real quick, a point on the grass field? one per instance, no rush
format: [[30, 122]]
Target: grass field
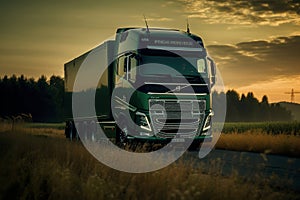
[[255, 141], [279, 138], [274, 128], [37, 162], [38, 165]]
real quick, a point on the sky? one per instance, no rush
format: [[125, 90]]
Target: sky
[[255, 43]]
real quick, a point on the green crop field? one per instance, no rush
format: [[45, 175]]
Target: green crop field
[[279, 138], [287, 128]]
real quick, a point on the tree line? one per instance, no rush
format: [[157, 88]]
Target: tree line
[[43, 99], [247, 108]]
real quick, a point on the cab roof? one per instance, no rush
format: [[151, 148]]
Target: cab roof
[[157, 32]]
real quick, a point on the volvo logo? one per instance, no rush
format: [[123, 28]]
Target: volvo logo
[[178, 88]]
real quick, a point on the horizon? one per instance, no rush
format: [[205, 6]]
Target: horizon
[[255, 44], [259, 98]]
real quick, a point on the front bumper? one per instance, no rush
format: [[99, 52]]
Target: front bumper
[[159, 140]]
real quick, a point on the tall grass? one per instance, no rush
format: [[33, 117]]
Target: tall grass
[[288, 128], [41, 129], [35, 167], [256, 141]]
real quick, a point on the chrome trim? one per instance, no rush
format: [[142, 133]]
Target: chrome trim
[[177, 94], [209, 116], [192, 49], [175, 84], [106, 122], [125, 104], [148, 127], [177, 117]]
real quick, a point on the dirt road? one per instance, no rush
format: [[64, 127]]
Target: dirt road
[[284, 171]]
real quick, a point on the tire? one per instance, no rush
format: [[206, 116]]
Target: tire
[[195, 146], [72, 131], [75, 131], [92, 130], [121, 135], [67, 129], [84, 130]]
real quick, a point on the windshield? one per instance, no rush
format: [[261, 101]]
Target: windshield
[[172, 65]]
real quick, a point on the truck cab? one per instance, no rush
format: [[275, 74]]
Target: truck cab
[[162, 86]]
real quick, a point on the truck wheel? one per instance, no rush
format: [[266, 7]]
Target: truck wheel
[[75, 132], [71, 131], [121, 135], [67, 129], [92, 130], [84, 130], [195, 146]]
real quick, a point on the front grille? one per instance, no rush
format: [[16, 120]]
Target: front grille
[[171, 117], [176, 121]]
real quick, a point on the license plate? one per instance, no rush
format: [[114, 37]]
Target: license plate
[[178, 140]]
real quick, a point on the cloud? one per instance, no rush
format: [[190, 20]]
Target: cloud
[[275, 89], [263, 12], [257, 61], [160, 19]]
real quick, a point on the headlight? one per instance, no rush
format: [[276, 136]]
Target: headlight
[[142, 121], [207, 124]]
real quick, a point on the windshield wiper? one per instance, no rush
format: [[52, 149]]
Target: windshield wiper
[[160, 75], [189, 75], [194, 78]]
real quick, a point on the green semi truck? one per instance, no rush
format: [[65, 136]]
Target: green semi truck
[[156, 87]]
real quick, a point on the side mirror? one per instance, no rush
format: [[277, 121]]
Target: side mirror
[[213, 80], [213, 71], [127, 67], [125, 64]]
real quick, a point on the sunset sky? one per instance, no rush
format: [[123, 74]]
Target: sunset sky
[[256, 44]]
